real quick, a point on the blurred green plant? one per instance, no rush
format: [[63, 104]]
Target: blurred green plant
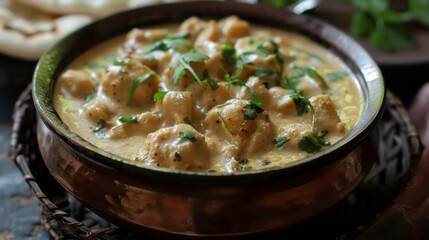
[[386, 28], [279, 3]]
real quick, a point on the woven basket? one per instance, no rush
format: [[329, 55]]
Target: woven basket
[[66, 218]]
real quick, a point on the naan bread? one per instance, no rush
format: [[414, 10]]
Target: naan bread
[[87, 7], [27, 33]]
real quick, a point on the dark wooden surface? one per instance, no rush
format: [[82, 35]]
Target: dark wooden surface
[[19, 211]]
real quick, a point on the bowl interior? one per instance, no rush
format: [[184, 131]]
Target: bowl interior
[[65, 51]]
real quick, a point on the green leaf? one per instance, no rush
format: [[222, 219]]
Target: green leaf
[[188, 121], [195, 56], [302, 104], [187, 136], [256, 103], [212, 83], [390, 39], [309, 54], [263, 72], [134, 83], [229, 54], [175, 42], [158, 96], [249, 114], [179, 73], [373, 6], [309, 145], [128, 119], [226, 126], [321, 138], [101, 124], [177, 157], [96, 66], [362, 24], [420, 10], [335, 76], [279, 142]]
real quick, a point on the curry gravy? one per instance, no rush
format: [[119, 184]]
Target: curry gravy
[[209, 96]]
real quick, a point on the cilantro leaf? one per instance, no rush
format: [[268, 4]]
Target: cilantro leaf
[[309, 54], [128, 119], [212, 83], [229, 54], [249, 114], [335, 76], [226, 126], [263, 72], [362, 24], [158, 96], [134, 84], [185, 60], [101, 124], [302, 104], [187, 136], [279, 142], [175, 42], [309, 145], [188, 121]]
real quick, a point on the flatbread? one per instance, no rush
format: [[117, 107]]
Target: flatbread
[[26, 33], [95, 8]]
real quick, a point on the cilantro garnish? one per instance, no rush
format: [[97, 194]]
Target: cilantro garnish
[[279, 142], [101, 124], [335, 76], [185, 60], [128, 119], [263, 72], [302, 104], [310, 54], [229, 54], [158, 96], [187, 136], [134, 83], [96, 66], [188, 121], [225, 125], [313, 142], [250, 112], [175, 42], [212, 83]]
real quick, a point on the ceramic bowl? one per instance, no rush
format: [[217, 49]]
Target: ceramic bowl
[[194, 204]]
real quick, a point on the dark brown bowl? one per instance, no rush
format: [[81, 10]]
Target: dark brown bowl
[[142, 198]]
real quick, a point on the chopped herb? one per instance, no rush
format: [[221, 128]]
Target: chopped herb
[[185, 60], [187, 136], [232, 80], [255, 108], [310, 54], [188, 121], [101, 124], [279, 142], [149, 58], [225, 125], [251, 41], [291, 84], [232, 143], [96, 66], [128, 119], [177, 157], [314, 142], [175, 42], [263, 72], [309, 145], [229, 54], [212, 83], [302, 104], [335, 76], [316, 76], [249, 114], [158, 96], [110, 59], [88, 98], [134, 83], [296, 74]]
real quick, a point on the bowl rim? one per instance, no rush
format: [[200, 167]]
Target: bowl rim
[[369, 76]]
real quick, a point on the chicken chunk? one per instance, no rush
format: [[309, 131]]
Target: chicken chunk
[[178, 147], [206, 98], [117, 80], [176, 106], [234, 28], [326, 116], [95, 110], [147, 122], [294, 132], [193, 26], [77, 83]]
